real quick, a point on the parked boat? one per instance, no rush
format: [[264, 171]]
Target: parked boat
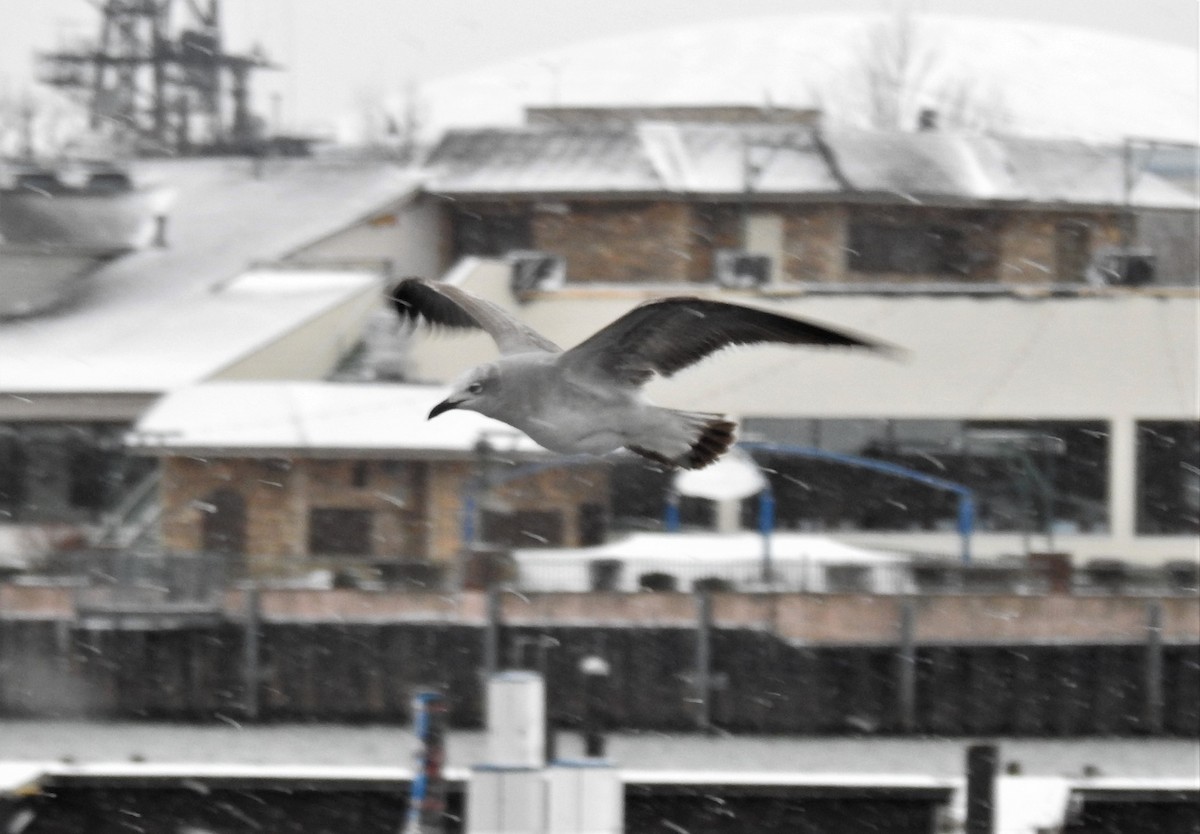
[[59, 224], [91, 206]]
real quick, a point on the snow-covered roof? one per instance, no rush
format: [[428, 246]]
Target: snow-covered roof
[[159, 318], [155, 343], [268, 418], [789, 162], [962, 357]]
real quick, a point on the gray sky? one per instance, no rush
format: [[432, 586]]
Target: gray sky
[[339, 53]]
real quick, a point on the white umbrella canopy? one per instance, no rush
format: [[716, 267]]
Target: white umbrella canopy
[[733, 477]]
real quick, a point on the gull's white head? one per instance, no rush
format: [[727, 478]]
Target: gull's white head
[[476, 390]]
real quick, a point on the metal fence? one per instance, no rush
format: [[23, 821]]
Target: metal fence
[[161, 589], [131, 580], [1103, 577]]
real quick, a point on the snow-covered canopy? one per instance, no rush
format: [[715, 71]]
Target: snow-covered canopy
[[1012, 356], [733, 477], [700, 549], [317, 419]]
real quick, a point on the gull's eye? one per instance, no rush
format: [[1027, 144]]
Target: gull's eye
[[474, 387]]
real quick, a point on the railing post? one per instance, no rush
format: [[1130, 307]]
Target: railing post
[[251, 621], [906, 668], [703, 672], [1154, 667], [491, 633]]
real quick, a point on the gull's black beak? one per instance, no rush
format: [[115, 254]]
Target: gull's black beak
[[442, 407]]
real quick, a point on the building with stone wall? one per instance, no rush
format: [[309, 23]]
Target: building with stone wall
[[288, 478], [265, 270], [658, 197]]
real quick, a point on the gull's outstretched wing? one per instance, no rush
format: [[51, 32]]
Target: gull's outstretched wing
[[667, 335], [444, 305]]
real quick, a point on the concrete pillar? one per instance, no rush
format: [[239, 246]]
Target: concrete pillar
[[1122, 479]]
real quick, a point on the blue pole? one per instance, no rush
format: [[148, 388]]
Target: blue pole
[[766, 526], [966, 523], [671, 522], [427, 800]]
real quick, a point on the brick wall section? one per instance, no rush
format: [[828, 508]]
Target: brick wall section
[[416, 506], [564, 489], [1050, 617], [815, 244], [36, 601], [815, 618], [674, 242], [278, 496], [447, 493], [1028, 243], [862, 618], [618, 241]]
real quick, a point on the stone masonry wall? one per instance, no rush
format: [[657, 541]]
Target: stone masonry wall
[[618, 241]]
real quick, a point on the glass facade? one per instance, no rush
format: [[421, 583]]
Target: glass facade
[[1027, 476], [1168, 477]]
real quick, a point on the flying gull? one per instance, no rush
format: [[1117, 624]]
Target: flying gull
[[588, 399]]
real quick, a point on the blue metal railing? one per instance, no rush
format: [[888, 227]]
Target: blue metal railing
[[966, 496]]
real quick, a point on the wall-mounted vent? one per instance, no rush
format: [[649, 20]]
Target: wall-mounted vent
[[1127, 268], [536, 271], [739, 269]]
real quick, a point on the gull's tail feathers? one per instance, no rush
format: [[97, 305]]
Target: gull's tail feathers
[[702, 437]]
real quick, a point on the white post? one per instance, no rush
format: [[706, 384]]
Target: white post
[[729, 515], [1122, 481]]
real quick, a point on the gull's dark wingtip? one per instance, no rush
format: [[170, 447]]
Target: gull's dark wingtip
[[887, 350], [400, 296]]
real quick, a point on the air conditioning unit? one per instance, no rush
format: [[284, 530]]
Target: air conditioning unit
[[1124, 268], [740, 270], [535, 271]]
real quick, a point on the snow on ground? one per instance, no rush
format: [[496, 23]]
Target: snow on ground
[[382, 746]]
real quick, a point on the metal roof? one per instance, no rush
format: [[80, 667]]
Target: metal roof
[[788, 162]]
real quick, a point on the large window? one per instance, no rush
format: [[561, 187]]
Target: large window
[[523, 528], [65, 472], [338, 532], [1040, 478], [490, 231], [12, 473], [1168, 483], [911, 248]]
